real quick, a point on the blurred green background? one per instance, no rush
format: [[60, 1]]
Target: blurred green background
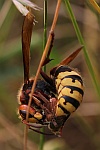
[[82, 130]]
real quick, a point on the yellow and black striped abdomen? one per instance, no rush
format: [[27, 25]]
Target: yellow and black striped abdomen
[[70, 92]]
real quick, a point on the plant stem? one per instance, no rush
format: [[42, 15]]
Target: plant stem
[[81, 40], [42, 138], [45, 27], [45, 50], [95, 5]]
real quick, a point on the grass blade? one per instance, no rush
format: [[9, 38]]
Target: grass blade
[[81, 40]]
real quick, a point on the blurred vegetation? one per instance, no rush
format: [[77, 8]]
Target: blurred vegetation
[[82, 130]]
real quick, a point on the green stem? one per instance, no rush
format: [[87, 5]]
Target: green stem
[[45, 28], [45, 24], [42, 138], [81, 40]]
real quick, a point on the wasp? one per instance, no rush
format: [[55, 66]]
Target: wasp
[[68, 94], [40, 107], [56, 96]]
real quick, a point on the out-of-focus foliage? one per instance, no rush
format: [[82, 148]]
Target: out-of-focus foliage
[[82, 130]]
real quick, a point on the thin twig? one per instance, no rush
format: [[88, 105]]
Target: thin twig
[[42, 138], [44, 53], [46, 49], [95, 5]]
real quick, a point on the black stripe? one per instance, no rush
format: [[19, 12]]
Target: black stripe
[[74, 77], [71, 100], [23, 114], [64, 110], [62, 69], [73, 88]]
